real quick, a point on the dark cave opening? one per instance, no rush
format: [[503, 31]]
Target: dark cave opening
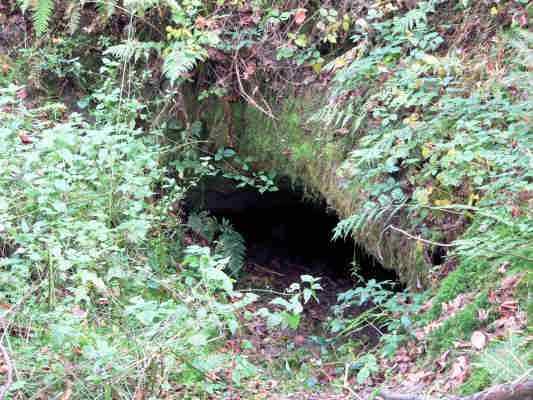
[[287, 234]]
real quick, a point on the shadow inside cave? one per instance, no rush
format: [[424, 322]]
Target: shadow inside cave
[[287, 234]]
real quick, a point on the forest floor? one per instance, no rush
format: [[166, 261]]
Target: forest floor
[[311, 357]]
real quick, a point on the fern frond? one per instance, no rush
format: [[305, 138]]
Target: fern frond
[[356, 223], [42, 11], [123, 51], [132, 49], [345, 227], [231, 244], [24, 5], [73, 15], [203, 224], [182, 58]]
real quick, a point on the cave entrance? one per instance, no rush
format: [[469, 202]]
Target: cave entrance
[[287, 236]]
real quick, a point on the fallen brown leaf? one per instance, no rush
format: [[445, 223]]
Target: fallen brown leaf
[[139, 395], [79, 312], [511, 281], [441, 362], [482, 314], [25, 138], [426, 306], [68, 391], [22, 94], [503, 267]]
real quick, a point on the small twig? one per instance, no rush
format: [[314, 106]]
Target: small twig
[[346, 384], [389, 218], [246, 96], [268, 291], [267, 269], [419, 238], [452, 207], [26, 296], [166, 109], [375, 328], [4, 327]]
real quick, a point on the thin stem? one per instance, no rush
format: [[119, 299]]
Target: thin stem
[[419, 238]]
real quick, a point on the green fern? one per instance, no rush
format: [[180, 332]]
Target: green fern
[[42, 11], [231, 244], [182, 57], [203, 225], [135, 50], [370, 213], [73, 15]]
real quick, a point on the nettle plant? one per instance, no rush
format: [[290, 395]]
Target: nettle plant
[[88, 260], [290, 305], [73, 184], [381, 309]]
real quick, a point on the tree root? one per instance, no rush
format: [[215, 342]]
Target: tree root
[[522, 390]]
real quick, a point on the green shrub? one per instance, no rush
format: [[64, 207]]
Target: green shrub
[[90, 259]]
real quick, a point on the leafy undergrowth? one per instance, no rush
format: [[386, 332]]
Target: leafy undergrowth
[[93, 305], [103, 295], [99, 300]]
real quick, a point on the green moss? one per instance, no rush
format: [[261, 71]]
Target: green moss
[[468, 276], [478, 380], [289, 145], [461, 325]]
